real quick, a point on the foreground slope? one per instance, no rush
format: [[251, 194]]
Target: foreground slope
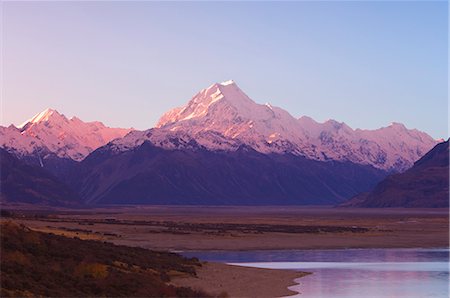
[[425, 185], [35, 264]]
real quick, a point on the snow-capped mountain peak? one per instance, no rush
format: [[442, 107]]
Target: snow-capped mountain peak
[[397, 125], [224, 110], [227, 93], [44, 116], [52, 132], [226, 83]]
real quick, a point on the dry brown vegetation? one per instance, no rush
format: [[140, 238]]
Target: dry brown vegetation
[[39, 264]]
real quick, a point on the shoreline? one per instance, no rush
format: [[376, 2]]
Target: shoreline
[[181, 251], [224, 280], [232, 279]]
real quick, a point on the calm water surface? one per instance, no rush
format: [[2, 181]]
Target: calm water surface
[[351, 273]]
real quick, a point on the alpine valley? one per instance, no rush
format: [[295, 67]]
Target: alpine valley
[[221, 148]]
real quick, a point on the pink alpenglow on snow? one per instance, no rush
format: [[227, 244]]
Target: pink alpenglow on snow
[[222, 117], [69, 138], [224, 110]]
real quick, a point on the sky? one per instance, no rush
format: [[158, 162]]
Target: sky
[[126, 63]]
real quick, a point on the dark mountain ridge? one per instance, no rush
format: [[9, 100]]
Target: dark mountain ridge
[[152, 175], [425, 185], [21, 182]]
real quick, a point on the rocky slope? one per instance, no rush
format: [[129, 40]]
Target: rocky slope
[[424, 185]]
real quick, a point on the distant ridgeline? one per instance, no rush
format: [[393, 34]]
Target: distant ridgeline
[[222, 148]]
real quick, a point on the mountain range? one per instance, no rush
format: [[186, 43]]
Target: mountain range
[[220, 148], [50, 132], [223, 117]]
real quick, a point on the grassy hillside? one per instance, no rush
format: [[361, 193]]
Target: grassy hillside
[[39, 264]]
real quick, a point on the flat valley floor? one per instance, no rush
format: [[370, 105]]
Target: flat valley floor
[[181, 228]]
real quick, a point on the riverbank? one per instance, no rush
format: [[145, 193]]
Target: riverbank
[[354, 273], [222, 280]]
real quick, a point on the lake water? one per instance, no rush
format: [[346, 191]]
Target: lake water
[[351, 273]]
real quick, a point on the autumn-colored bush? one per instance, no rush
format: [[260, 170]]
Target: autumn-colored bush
[[94, 270], [39, 264]]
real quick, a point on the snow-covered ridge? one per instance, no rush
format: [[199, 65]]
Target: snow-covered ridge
[[52, 132], [222, 117], [224, 110]]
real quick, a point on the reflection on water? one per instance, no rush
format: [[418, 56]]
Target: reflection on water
[[354, 272], [329, 282]]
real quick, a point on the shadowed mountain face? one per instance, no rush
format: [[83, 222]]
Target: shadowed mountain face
[[24, 183], [153, 175], [425, 185]]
